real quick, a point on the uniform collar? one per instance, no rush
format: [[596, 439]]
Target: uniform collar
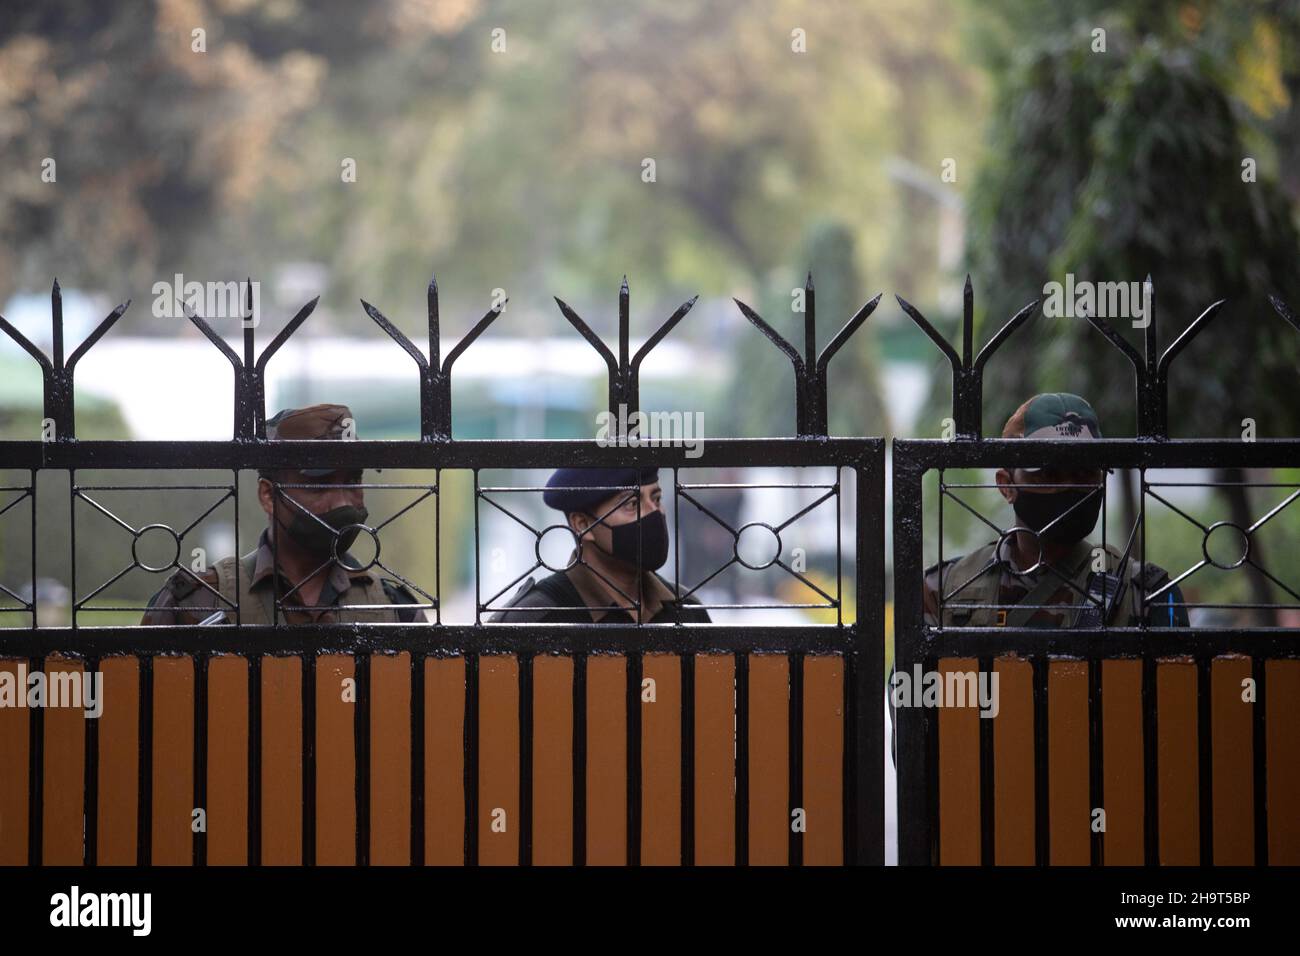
[[655, 594], [340, 576]]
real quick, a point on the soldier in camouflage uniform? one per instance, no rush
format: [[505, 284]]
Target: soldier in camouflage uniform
[[1045, 572], [317, 578], [1011, 583]]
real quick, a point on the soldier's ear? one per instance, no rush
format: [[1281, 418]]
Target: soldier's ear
[[265, 494], [1004, 480], [580, 521]]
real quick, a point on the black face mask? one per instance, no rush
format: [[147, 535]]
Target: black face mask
[[654, 540], [1036, 511], [316, 538]]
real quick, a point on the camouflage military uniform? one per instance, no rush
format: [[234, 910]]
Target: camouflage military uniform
[[978, 593], [249, 581]]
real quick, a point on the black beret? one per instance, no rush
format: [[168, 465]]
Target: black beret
[[580, 489]]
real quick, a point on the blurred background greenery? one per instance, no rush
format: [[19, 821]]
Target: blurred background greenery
[[514, 160]]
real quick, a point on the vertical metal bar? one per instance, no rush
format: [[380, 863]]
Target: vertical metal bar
[[238, 564], [687, 717], [201, 755], [91, 786], [742, 758], [417, 758], [1142, 542], [437, 544], [36, 716], [988, 792], [839, 546], [1204, 763], [471, 759], [1150, 777], [796, 754], [1259, 748], [634, 672], [1042, 793], [865, 667], [913, 757], [478, 570], [920, 543], [1096, 759], [526, 759], [72, 545], [579, 758], [35, 603], [144, 805], [254, 760], [308, 758], [361, 742], [688, 759], [275, 561]]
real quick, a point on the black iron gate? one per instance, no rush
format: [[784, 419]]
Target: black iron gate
[[941, 792]]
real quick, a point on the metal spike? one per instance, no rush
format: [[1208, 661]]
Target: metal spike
[[249, 358], [967, 323], [809, 323], [56, 314], [434, 323], [1150, 344], [624, 323]]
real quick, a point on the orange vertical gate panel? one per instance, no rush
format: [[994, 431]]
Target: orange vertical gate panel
[[1232, 763], [227, 797], [1013, 764], [1069, 810], [1282, 722], [390, 759], [552, 760], [498, 769], [119, 761], [172, 837], [65, 750], [1122, 763], [715, 760], [1176, 763], [14, 757], [959, 774], [661, 762], [444, 761], [823, 759], [281, 761], [337, 697], [769, 760], [606, 760]]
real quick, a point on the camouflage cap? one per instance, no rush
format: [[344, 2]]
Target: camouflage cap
[[313, 423], [1057, 415]]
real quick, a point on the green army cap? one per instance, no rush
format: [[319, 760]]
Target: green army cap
[[1057, 415], [313, 423]]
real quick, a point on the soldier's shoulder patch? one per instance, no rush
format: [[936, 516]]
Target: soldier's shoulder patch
[[1151, 575], [397, 592], [182, 584]]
